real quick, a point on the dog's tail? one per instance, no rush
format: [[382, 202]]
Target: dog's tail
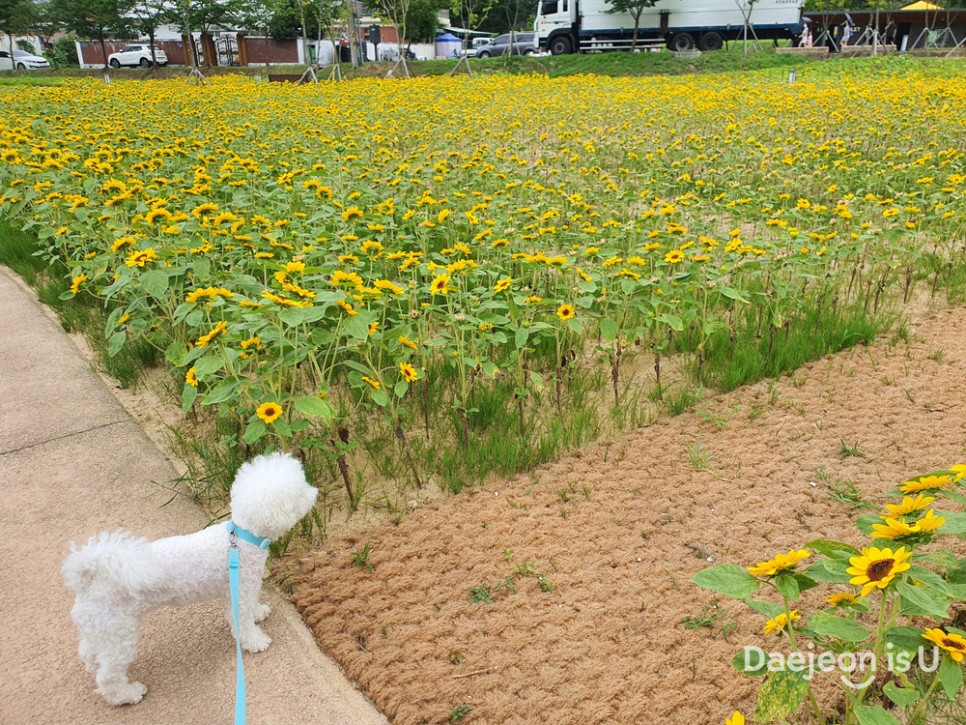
[[119, 558]]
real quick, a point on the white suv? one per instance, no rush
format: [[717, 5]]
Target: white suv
[[136, 55]]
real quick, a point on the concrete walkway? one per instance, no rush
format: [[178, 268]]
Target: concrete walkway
[[73, 463]]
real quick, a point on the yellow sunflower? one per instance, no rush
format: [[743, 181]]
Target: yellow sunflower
[[675, 256], [840, 599], [909, 505], [877, 567], [778, 624], [374, 383], [440, 285], [736, 719], [408, 372], [219, 329], [353, 212], [190, 378], [926, 483], [952, 643], [566, 312], [782, 562], [929, 522], [503, 285], [893, 529], [269, 412]]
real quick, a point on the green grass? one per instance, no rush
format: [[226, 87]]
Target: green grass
[[7, 79], [731, 59], [770, 353]]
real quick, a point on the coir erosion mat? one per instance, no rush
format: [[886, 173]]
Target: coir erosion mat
[[616, 531]]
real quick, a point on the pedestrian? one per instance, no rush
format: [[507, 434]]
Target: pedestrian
[[890, 33], [846, 29]]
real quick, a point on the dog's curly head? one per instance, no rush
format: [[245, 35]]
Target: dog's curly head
[[270, 495]]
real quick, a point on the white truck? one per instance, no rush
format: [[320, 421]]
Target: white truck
[[568, 26]]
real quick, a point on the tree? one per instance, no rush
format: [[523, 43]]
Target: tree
[[204, 15], [414, 19], [634, 8], [471, 13], [94, 19], [423, 20], [16, 17], [45, 24], [148, 16]]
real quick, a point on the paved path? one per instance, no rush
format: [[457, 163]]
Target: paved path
[[73, 462]]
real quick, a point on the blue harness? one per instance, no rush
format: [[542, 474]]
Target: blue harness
[[236, 532]]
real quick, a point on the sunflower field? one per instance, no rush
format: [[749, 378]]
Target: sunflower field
[[424, 272]]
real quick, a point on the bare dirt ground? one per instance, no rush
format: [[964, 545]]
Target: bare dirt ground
[[618, 530]]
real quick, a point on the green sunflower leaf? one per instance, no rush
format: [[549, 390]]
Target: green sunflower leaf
[[767, 609], [826, 624], [380, 398], [255, 430], [751, 661], [787, 586], [904, 639], [116, 342], [832, 549], [901, 696], [728, 579], [873, 715], [155, 283], [312, 406], [951, 675], [188, 396], [920, 600], [955, 523], [357, 327], [780, 696], [831, 571], [608, 329]]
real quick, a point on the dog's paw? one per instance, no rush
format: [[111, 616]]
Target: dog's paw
[[262, 611], [130, 693], [256, 640]]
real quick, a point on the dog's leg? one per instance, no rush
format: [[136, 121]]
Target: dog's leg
[[86, 652], [261, 611], [253, 637], [115, 649]]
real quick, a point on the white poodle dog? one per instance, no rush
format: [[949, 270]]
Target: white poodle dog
[[120, 577]]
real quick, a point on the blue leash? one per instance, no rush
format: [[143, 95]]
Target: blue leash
[[234, 570]]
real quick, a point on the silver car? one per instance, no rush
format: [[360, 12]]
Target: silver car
[[22, 60], [500, 45]]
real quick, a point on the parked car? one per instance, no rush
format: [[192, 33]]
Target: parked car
[[22, 60], [500, 45], [475, 45], [139, 54]]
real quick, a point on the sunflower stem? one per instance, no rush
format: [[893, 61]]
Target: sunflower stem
[[791, 638], [924, 703]]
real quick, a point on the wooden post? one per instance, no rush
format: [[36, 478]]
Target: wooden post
[[242, 49], [208, 50]]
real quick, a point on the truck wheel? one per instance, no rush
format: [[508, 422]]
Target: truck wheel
[[561, 45], [710, 41], [681, 42]]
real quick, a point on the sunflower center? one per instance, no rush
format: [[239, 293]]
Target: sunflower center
[[953, 644], [879, 570]]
